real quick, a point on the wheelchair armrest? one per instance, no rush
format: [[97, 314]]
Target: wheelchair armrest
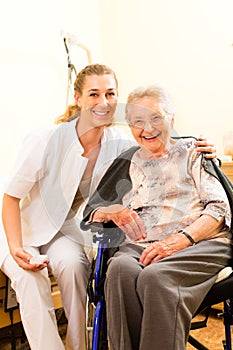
[[219, 292]]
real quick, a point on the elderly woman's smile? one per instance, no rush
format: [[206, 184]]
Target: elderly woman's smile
[[150, 124]]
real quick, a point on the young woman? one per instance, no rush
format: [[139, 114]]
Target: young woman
[[56, 171]]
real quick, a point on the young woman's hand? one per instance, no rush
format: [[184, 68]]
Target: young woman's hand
[[22, 257], [206, 146]]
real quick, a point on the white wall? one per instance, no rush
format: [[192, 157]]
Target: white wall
[[185, 45], [33, 63]]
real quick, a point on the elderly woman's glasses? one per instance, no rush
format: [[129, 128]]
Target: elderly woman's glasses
[[140, 123]]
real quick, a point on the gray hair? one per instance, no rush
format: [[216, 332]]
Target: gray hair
[[154, 91]]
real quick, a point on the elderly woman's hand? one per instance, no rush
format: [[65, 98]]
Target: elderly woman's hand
[[126, 219], [159, 250], [206, 146]]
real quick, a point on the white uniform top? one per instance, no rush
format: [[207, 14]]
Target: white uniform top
[[46, 177]]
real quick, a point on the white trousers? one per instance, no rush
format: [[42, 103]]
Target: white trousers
[[70, 267]]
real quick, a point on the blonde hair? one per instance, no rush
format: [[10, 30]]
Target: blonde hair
[[72, 110], [155, 91]]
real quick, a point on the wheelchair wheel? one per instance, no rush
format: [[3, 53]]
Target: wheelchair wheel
[[90, 312], [99, 336], [103, 338]]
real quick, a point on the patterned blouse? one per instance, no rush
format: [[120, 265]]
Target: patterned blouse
[[171, 192]]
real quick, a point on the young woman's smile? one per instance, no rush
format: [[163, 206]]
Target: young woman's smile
[[98, 100]]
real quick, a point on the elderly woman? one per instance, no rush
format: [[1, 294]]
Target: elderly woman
[[176, 219]]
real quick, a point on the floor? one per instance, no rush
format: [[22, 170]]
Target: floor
[[211, 336], [21, 342]]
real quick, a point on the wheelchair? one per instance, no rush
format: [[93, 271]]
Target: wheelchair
[[95, 288], [221, 291]]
